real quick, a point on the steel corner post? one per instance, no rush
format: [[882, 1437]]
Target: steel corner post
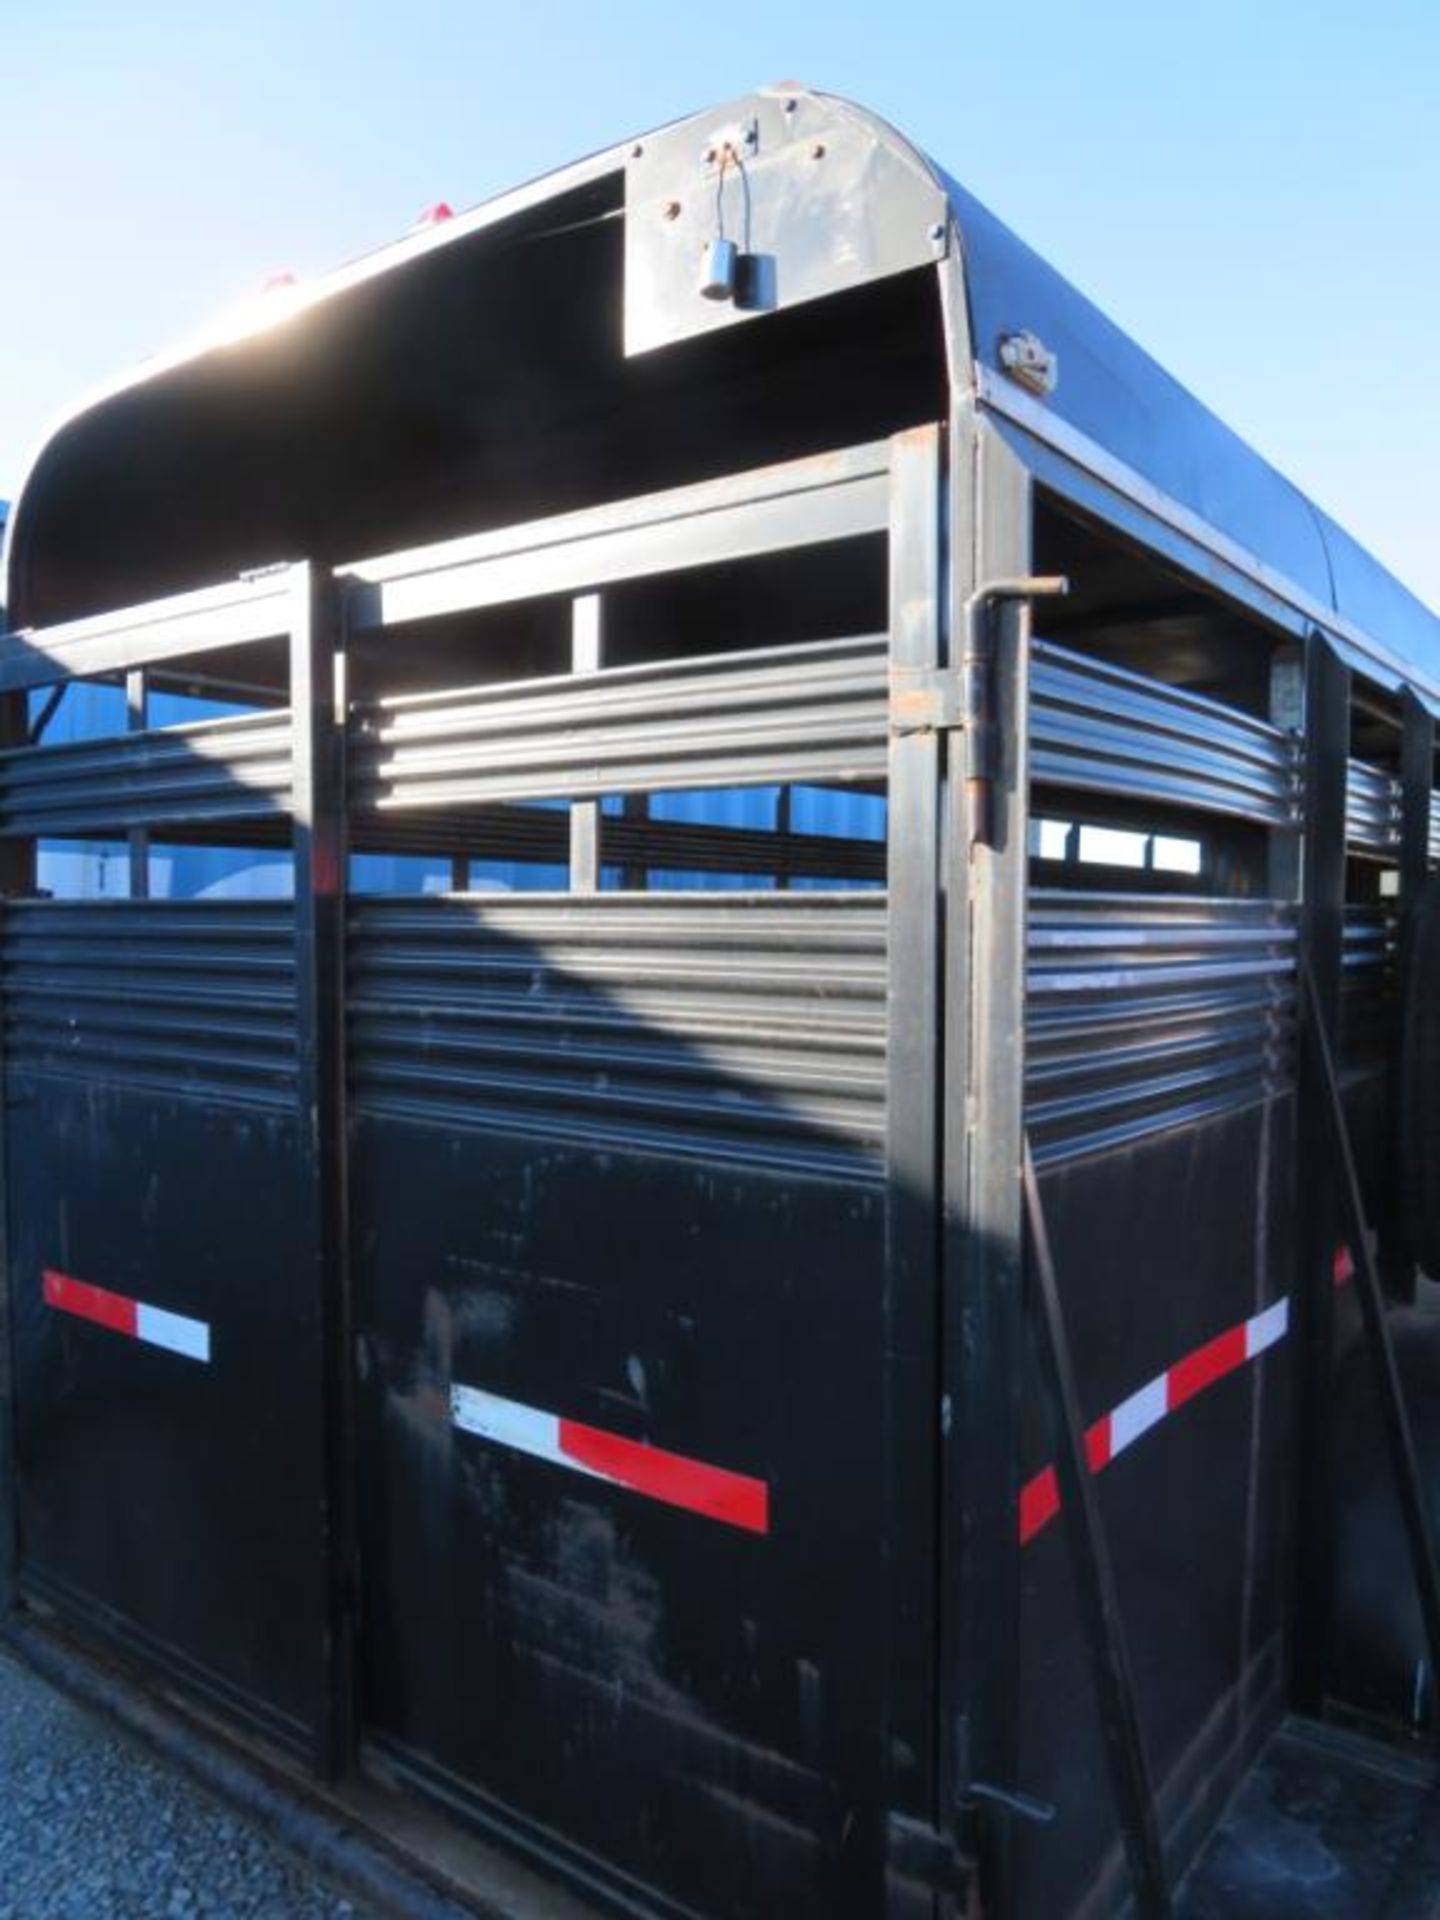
[[982, 1295], [17, 876], [917, 504], [1327, 741], [318, 720]]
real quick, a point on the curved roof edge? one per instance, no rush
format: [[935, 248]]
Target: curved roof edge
[[1109, 391]]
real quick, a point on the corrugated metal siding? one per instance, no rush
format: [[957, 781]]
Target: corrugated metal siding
[[1152, 1013], [1372, 810], [739, 1028], [1099, 727], [194, 998], [211, 771], [785, 713]]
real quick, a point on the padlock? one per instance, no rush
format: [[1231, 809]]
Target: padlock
[[719, 270]]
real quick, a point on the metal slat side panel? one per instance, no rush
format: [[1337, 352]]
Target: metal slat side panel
[[1147, 1014], [790, 714], [1435, 829], [195, 997], [215, 770], [1372, 810], [1101, 727], [1368, 987], [745, 1029]]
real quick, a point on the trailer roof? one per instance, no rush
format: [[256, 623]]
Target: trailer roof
[[1113, 410]]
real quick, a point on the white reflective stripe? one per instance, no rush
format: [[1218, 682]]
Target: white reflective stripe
[[1138, 1414], [173, 1331], [1266, 1328], [509, 1424]]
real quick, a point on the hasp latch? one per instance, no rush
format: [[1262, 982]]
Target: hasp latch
[[926, 700]]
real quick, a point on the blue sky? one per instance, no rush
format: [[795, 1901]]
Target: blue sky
[[1252, 190]]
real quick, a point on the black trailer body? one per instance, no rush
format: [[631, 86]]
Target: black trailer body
[[558, 1338]]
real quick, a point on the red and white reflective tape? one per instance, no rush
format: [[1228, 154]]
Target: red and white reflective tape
[[1113, 1432], [716, 1492], [157, 1327]]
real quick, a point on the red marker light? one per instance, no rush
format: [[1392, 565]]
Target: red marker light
[[437, 215], [278, 280]]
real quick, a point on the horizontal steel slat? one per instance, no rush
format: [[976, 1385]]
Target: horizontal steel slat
[[240, 611], [213, 771], [1372, 809], [739, 1028], [185, 997], [1102, 728], [821, 499], [1146, 1014], [782, 714]]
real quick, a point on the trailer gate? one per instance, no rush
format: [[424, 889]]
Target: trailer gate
[[603, 1237]]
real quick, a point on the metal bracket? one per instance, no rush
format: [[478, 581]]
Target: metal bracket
[[926, 700]]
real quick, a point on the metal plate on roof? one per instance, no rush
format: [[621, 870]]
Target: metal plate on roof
[[815, 200]]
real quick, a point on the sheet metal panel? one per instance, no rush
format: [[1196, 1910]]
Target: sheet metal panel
[[577, 1127], [1161, 1244], [167, 1474]]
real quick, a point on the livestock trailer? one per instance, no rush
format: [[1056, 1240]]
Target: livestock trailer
[[732, 1277]]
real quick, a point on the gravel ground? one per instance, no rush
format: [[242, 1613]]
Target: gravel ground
[[92, 1827]]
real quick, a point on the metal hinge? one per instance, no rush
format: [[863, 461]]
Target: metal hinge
[[925, 700]]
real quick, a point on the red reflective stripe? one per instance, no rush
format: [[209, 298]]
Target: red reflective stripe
[[669, 1477], [1227, 1353], [1224, 1354], [1039, 1503], [106, 1309], [1344, 1267]]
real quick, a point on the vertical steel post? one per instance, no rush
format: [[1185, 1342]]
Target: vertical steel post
[[17, 876], [913, 1090], [1322, 929], [1417, 786], [586, 639], [317, 718], [137, 718], [983, 1302], [1417, 780]]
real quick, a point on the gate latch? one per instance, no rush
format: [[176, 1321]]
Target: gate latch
[[925, 700]]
